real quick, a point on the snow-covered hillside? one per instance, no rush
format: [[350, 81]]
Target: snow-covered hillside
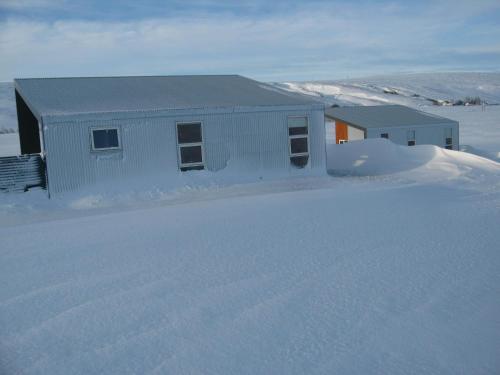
[[413, 90], [8, 116]]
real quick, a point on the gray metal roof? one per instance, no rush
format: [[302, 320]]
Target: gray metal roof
[[54, 96], [383, 116]]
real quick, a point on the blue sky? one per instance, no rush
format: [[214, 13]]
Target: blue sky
[[267, 40]]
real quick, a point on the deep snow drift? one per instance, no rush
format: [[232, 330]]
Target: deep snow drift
[[395, 270]]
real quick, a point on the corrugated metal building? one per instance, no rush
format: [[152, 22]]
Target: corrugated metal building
[[98, 129], [400, 124]]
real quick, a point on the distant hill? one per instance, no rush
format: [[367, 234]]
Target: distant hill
[[8, 116], [413, 90]]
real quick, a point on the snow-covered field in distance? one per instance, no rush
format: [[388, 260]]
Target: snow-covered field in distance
[[8, 115], [388, 265], [413, 90]]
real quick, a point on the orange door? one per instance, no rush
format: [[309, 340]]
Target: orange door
[[340, 132]]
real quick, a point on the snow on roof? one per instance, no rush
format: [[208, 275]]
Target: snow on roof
[[53, 96], [382, 116]]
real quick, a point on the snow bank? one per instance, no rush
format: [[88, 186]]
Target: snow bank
[[373, 157]]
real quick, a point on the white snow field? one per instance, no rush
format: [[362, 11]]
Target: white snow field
[[392, 269]]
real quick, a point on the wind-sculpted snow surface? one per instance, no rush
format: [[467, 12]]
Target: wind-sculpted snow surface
[[392, 271]]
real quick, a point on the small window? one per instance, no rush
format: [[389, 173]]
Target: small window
[[105, 139], [342, 141], [298, 145], [384, 135], [190, 146], [298, 137], [410, 135], [448, 138]]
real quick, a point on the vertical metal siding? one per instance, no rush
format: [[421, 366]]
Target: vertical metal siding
[[424, 135], [237, 142]]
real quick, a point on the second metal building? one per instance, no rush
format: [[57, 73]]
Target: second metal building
[[400, 124]]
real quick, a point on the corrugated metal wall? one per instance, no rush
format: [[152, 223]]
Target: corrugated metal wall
[[424, 135], [238, 142]]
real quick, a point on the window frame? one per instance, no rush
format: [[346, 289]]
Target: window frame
[[118, 135], [183, 167], [297, 136]]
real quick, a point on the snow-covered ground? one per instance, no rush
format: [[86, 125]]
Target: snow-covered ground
[[387, 265], [391, 270]]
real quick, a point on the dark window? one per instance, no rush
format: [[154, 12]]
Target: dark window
[[105, 139], [342, 141], [189, 133], [384, 135], [299, 161], [298, 145], [191, 154], [449, 147], [190, 145], [298, 134], [301, 130], [449, 141], [411, 143]]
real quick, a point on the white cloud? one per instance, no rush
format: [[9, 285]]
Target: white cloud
[[324, 42], [24, 4]]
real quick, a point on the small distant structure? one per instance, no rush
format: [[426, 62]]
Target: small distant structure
[[400, 124], [91, 130]]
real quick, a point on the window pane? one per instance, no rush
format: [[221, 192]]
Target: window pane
[[189, 133], [191, 154], [297, 122], [299, 161], [449, 147], [105, 138], [100, 138], [298, 145], [297, 131], [112, 137], [384, 135], [411, 143], [449, 141]]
